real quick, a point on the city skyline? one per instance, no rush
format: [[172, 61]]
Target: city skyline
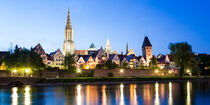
[[46, 25]]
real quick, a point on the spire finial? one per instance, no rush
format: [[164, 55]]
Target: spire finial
[[68, 25]]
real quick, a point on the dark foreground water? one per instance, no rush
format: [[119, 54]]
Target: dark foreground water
[[167, 93]]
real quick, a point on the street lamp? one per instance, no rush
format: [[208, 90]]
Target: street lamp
[[78, 70], [121, 70], [14, 71], [27, 70]]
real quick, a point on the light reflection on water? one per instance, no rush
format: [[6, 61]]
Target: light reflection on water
[[170, 97], [157, 100], [14, 96], [104, 94]]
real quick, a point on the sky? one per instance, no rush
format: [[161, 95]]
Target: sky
[[29, 22]]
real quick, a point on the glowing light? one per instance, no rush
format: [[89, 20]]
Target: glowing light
[[79, 96], [14, 96], [121, 94], [169, 71], [104, 97], [121, 70], [27, 70], [170, 97], [87, 67], [14, 71], [188, 94], [133, 95], [27, 98], [188, 71], [157, 101], [156, 71], [78, 70], [103, 58]]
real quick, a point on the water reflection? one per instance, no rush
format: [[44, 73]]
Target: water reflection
[[27, 99], [176, 93], [14, 96], [147, 94], [157, 100], [188, 101], [79, 97], [133, 95], [122, 95], [92, 96], [104, 97], [170, 97]]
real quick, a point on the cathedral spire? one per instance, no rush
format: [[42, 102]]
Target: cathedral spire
[[127, 48], [68, 24], [108, 47]]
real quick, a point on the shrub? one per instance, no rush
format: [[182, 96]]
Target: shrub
[[110, 74], [99, 66]]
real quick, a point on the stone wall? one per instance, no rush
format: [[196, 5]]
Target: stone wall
[[96, 73], [126, 73]]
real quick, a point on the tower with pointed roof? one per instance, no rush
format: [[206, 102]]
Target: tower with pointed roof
[[147, 50], [108, 48], [69, 45]]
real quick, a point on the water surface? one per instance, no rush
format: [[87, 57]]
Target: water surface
[[167, 93]]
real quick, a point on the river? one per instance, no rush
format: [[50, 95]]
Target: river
[[153, 93]]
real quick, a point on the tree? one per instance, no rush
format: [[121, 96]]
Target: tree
[[111, 65], [23, 59], [99, 66], [183, 56], [153, 62], [125, 65], [69, 63], [204, 64]]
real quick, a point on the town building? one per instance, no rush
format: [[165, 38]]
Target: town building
[[39, 50]]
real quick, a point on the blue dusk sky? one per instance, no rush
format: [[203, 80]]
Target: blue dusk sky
[[29, 22]]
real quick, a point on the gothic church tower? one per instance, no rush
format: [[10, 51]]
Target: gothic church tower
[[68, 45], [108, 48]]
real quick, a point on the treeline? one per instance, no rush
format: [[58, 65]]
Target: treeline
[[22, 59]]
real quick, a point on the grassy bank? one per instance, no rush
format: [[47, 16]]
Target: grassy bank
[[117, 79]]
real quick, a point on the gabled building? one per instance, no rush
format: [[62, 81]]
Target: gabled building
[[90, 62], [39, 50], [132, 61], [142, 61], [92, 49], [130, 52], [115, 52], [81, 61], [122, 59], [57, 58], [114, 58]]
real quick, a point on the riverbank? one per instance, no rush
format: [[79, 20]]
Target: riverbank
[[90, 80], [115, 80]]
